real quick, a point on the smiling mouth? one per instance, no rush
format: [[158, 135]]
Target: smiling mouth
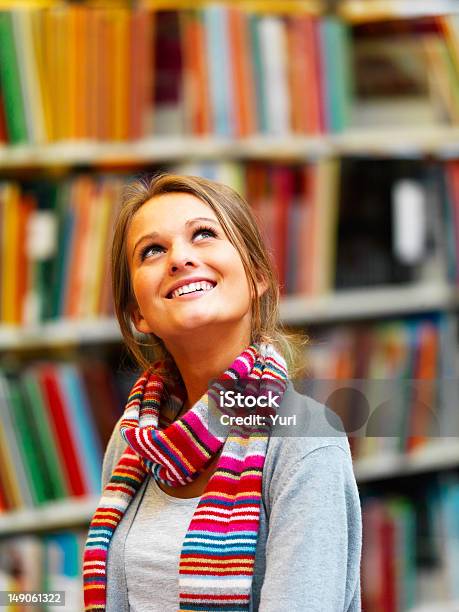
[[200, 287]]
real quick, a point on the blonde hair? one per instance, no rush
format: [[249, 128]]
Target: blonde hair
[[240, 227]]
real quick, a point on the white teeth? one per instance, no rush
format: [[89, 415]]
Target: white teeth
[[201, 285]]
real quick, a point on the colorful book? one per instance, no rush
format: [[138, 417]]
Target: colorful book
[[10, 79]]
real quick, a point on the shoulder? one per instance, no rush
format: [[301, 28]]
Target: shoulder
[[304, 426], [314, 441], [115, 448]]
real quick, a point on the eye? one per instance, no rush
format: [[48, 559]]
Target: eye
[[205, 231], [150, 249]]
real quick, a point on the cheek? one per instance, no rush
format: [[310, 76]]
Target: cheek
[[236, 276], [144, 284]]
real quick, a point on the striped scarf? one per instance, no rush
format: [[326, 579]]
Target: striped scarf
[[218, 553]]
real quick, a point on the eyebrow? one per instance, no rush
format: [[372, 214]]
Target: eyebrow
[[153, 235]]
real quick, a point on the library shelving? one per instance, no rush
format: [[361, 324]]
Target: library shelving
[[417, 141], [364, 11], [77, 512], [60, 514], [277, 140], [356, 304]]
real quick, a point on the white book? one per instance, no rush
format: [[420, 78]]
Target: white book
[[273, 44]]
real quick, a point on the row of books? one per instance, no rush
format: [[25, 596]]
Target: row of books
[[406, 72], [46, 563], [55, 421], [56, 237], [410, 548], [328, 224], [54, 256], [393, 384], [409, 555], [77, 72]]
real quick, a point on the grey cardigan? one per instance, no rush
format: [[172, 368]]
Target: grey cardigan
[[309, 543]]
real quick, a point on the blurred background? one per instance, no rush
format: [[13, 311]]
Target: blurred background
[[339, 121]]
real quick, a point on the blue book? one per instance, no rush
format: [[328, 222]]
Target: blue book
[[337, 73], [219, 65], [82, 424]]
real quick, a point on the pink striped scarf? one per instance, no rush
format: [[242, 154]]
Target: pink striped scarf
[[218, 553]]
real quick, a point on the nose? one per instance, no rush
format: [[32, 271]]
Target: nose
[[180, 258]]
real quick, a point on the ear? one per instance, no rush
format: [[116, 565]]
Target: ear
[[137, 319], [262, 285]]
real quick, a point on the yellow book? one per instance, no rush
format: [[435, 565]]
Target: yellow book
[[58, 61], [39, 51], [79, 67], [99, 248], [325, 225], [9, 201], [119, 60], [49, 71], [10, 458]]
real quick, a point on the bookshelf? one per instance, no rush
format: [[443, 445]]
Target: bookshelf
[[415, 142], [303, 142], [63, 514], [435, 456], [364, 11], [75, 512], [342, 305]]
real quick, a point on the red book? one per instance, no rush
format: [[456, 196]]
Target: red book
[[303, 274], [82, 200], [424, 401], [27, 206], [243, 78], [283, 186], [389, 558], [196, 74], [104, 397], [318, 71], [49, 381], [141, 57]]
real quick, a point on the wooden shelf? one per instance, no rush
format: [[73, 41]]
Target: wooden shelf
[[362, 11], [438, 606], [354, 304], [78, 512], [440, 141], [312, 7], [437, 455], [296, 310], [60, 333], [61, 514]]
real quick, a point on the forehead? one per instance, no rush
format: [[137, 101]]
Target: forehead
[[168, 212], [170, 209]]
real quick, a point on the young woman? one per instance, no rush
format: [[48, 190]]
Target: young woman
[[190, 519]]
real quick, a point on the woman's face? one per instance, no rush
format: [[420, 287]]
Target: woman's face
[[186, 276]]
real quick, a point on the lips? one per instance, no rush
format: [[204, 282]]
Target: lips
[[189, 281]]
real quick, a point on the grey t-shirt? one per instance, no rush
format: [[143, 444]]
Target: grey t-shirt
[[170, 517], [309, 541]]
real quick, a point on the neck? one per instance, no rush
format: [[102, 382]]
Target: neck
[[205, 359]]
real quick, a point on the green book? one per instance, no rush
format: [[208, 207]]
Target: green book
[[27, 444], [337, 72], [402, 513], [11, 82], [14, 468], [61, 195], [39, 418], [262, 119]]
